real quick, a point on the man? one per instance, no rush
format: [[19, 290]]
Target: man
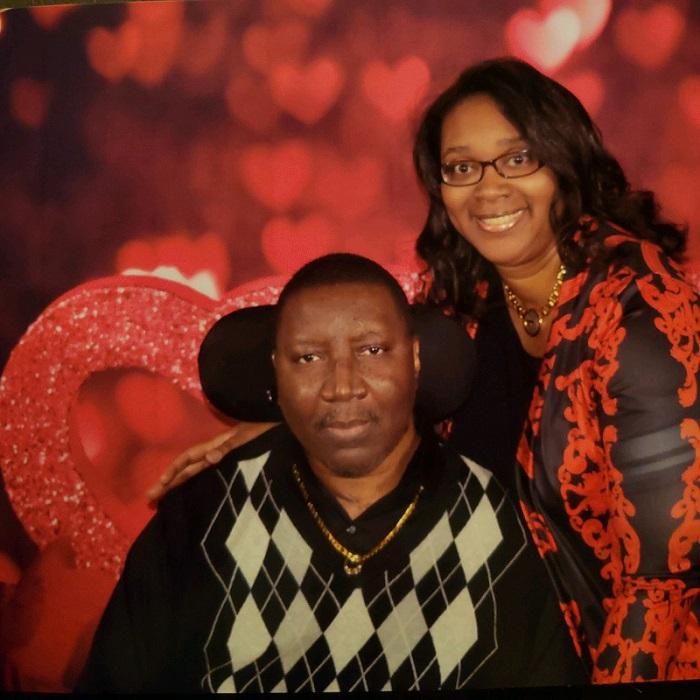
[[343, 551]]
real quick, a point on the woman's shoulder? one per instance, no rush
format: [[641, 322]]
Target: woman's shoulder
[[636, 257]]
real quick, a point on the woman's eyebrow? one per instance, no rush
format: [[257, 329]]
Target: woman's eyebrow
[[510, 141]]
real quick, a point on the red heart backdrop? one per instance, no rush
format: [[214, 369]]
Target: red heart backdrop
[[204, 145]]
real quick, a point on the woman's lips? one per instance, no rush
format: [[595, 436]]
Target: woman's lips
[[499, 222]]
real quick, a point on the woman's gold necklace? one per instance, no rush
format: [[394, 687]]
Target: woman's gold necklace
[[353, 562], [532, 318]]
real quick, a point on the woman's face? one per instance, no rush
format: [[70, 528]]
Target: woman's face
[[506, 220]]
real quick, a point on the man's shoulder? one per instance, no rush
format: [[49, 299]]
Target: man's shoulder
[[464, 469], [474, 491], [212, 484]]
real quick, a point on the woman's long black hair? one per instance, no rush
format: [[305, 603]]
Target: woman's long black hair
[[559, 130]]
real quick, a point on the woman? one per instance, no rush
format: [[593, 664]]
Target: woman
[[585, 327], [526, 204]]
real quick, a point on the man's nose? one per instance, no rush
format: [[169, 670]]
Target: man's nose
[[344, 381]]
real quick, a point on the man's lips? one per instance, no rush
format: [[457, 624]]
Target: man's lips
[[497, 223], [346, 429]]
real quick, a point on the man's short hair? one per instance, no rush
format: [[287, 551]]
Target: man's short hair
[[345, 268]]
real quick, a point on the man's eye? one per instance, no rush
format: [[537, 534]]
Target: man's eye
[[373, 350], [307, 358]]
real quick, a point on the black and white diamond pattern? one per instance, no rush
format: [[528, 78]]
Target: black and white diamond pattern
[[285, 624]]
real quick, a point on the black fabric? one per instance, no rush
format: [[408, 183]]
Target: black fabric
[[158, 634], [489, 423], [610, 464], [237, 375], [362, 533]]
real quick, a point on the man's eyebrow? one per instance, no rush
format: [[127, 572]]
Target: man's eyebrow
[[372, 334], [302, 341], [369, 334], [505, 143]]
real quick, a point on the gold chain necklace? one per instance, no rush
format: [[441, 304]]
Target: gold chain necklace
[[532, 318], [353, 562]]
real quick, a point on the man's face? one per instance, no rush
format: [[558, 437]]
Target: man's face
[[346, 367]]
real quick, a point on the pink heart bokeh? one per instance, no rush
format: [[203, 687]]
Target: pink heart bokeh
[[396, 90], [307, 92], [689, 98], [649, 36], [593, 16], [588, 86], [266, 46], [277, 175], [547, 40]]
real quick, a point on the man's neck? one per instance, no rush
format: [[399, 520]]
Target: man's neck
[[357, 493]]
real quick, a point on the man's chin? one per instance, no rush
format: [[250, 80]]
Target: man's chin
[[352, 462]]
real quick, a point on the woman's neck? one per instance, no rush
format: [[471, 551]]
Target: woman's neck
[[532, 284]]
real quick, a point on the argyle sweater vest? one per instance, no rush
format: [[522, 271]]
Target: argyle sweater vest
[[252, 597]]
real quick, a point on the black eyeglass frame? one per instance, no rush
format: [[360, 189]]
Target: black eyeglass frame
[[494, 164]]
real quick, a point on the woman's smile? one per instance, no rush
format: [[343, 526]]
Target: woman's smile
[[498, 223]]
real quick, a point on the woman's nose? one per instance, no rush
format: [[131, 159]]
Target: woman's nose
[[491, 184]]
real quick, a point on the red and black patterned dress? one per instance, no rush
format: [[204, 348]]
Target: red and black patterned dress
[[609, 476]]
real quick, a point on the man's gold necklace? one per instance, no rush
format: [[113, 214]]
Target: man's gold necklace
[[353, 562], [532, 318]]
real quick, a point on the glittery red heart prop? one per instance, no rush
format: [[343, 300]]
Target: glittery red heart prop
[[126, 426], [114, 323], [118, 322]]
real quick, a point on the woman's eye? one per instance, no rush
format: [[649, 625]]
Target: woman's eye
[[464, 167], [521, 158]]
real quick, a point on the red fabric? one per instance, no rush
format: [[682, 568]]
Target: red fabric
[[610, 457]]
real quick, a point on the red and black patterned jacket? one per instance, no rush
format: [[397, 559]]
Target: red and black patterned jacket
[[609, 476]]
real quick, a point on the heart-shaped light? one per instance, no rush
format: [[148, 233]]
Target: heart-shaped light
[[289, 244], [266, 46], [307, 92], [277, 175], [396, 90], [593, 16], [546, 41], [649, 36]]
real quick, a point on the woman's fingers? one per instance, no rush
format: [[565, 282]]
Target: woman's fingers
[[198, 457]]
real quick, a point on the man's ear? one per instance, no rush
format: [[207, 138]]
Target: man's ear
[[416, 356]]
